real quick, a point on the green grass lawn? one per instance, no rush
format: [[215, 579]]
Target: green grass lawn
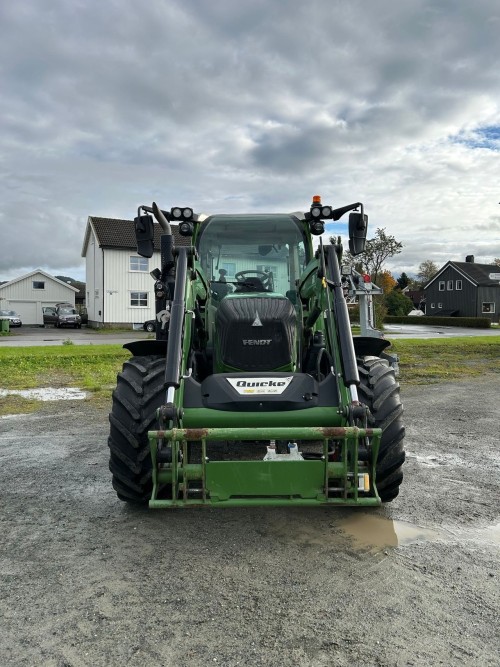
[[94, 367], [434, 359]]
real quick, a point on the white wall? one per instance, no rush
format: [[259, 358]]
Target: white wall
[[120, 281], [94, 280]]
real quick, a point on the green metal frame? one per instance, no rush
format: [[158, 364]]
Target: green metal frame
[[278, 483]]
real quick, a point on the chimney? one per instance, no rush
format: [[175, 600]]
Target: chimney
[[470, 259]]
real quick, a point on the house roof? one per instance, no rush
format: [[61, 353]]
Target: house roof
[[120, 234], [37, 272], [477, 274]]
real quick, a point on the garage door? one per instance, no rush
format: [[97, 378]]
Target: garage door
[[27, 311]]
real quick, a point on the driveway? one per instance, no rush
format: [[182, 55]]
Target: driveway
[[87, 580]]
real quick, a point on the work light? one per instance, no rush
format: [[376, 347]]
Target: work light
[[186, 228], [317, 227], [178, 213]]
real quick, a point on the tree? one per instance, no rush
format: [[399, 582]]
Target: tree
[[386, 282], [403, 281], [496, 261], [397, 303], [377, 250], [426, 270]]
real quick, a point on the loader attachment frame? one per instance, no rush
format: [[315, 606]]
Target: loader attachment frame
[[233, 483]]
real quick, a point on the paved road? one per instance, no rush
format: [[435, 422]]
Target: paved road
[[37, 336], [427, 331]]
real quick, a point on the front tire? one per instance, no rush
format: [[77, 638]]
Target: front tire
[[138, 394], [150, 327], [379, 390]]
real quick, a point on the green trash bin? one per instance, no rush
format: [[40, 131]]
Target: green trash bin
[[4, 325]]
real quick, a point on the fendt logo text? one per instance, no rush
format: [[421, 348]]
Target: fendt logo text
[[256, 342]]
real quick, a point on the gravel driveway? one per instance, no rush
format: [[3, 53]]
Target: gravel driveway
[[88, 581]]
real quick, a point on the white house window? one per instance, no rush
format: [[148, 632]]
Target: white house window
[[458, 285], [488, 307], [38, 284], [450, 284], [138, 263], [441, 285], [139, 299]]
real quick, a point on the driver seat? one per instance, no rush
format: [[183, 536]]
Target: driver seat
[[252, 284]]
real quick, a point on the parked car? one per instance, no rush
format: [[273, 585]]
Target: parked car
[[62, 315], [149, 325], [49, 315], [83, 314], [67, 317], [14, 319]]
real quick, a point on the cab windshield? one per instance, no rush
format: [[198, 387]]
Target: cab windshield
[[252, 253]]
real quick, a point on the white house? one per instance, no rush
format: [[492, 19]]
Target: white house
[[28, 294], [119, 288]]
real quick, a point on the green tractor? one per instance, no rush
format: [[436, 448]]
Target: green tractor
[[254, 391]]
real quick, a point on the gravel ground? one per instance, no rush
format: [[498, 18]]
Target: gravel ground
[[87, 580]]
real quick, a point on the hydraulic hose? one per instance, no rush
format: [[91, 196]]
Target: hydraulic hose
[[174, 349], [347, 353]]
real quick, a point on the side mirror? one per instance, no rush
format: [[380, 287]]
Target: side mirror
[[144, 235], [358, 227]]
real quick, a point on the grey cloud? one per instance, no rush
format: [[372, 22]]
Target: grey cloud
[[256, 105]]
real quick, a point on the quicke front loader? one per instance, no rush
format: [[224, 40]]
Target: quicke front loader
[[254, 391]]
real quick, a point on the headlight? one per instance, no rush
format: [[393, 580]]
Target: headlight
[[317, 227]]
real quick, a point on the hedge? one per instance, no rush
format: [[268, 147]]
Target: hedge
[[471, 322]]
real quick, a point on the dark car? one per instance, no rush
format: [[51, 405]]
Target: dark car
[[14, 319], [49, 315], [67, 317], [149, 325]]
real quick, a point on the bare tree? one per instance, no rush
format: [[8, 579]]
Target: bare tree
[[377, 250], [426, 270]]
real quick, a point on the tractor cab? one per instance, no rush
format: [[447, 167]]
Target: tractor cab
[[254, 263], [252, 254]]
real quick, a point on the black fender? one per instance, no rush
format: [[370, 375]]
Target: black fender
[[145, 348], [367, 346]]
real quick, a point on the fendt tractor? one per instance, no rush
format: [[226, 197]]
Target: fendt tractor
[[255, 391]]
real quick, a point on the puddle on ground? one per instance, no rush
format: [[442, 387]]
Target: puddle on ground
[[374, 532], [47, 393], [20, 415]]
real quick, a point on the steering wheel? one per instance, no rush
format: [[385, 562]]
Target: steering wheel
[[262, 276]]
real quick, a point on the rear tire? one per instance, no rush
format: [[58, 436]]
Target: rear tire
[[379, 390], [138, 394], [150, 327]]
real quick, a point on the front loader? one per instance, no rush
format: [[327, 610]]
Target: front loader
[[254, 391]]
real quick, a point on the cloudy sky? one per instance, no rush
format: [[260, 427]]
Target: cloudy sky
[[249, 106]]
